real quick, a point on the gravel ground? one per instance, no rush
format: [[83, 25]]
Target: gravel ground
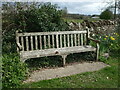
[[68, 70]]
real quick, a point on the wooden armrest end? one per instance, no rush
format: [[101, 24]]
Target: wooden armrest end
[[19, 46], [97, 41]]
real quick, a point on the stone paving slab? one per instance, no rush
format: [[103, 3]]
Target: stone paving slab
[[65, 71]]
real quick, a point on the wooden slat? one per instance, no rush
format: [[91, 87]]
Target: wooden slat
[[53, 41], [17, 40], [57, 43], [68, 40], [78, 39], [75, 39], [36, 43], [64, 40], [45, 41], [22, 42], [31, 40], [50, 33], [40, 42], [71, 40], [85, 40], [27, 45], [61, 41], [49, 41], [82, 39]]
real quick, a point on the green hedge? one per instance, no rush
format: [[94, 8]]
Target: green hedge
[[13, 71], [40, 17]]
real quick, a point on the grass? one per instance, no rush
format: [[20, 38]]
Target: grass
[[74, 20], [79, 20], [105, 78]]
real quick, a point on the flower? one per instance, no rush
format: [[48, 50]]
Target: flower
[[111, 44], [117, 34], [104, 38], [112, 38]]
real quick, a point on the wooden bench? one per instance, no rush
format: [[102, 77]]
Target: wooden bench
[[40, 44]]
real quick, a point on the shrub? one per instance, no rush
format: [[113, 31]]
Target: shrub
[[107, 14], [13, 71], [40, 17]]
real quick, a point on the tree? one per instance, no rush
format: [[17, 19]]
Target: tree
[[107, 14], [112, 5], [64, 11]]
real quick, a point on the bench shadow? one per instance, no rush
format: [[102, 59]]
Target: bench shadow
[[56, 61]]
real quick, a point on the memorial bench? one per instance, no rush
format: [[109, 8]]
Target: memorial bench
[[40, 44]]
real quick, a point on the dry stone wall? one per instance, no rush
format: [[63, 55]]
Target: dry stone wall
[[96, 27]]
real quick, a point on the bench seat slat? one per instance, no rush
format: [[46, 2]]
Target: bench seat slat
[[60, 51]]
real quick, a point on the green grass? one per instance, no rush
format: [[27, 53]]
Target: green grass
[[79, 20], [105, 78], [74, 20]]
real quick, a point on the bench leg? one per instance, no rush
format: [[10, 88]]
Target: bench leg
[[64, 57], [97, 52]]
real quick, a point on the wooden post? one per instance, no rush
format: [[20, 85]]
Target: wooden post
[[88, 33], [71, 40], [85, 40], [64, 59], [36, 43], [78, 39], [53, 41], [75, 39], [97, 52], [81, 39], [60, 40], [40, 42], [17, 40], [27, 46], [22, 41], [31, 39], [57, 43], [49, 41], [44, 42], [68, 40], [64, 40]]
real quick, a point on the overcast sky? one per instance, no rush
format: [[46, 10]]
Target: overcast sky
[[82, 7], [88, 7]]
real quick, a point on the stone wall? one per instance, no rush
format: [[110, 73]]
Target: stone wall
[[96, 27]]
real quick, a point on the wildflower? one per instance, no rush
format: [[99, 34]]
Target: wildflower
[[116, 34], [112, 38], [104, 38]]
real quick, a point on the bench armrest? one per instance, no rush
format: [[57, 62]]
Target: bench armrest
[[97, 41], [19, 46]]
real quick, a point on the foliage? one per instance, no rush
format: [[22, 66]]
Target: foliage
[[107, 14], [110, 43], [13, 71], [29, 17]]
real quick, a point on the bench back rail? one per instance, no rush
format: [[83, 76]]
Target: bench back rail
[[47, 40]]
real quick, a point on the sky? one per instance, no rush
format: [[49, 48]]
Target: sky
[[87, 7]]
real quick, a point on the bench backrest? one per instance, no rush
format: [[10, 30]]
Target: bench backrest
[[47, 40]]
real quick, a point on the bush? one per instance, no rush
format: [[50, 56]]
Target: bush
[[13, 71], [107, 14], [40, 17]]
